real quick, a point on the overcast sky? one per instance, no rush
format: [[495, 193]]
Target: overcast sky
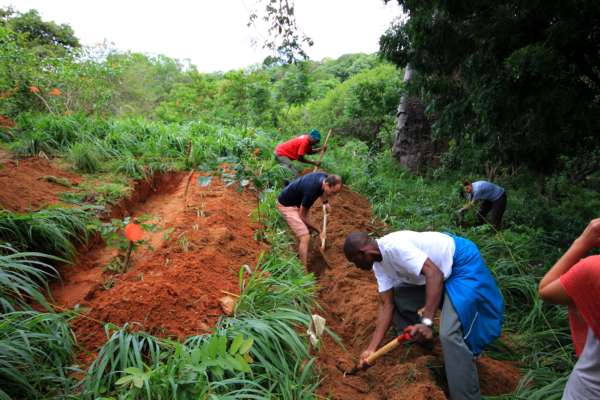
[[213, 33]]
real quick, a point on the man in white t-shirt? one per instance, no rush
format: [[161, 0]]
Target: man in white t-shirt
[[416, 269]]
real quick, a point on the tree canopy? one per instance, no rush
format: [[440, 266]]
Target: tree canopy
[[520, 81]]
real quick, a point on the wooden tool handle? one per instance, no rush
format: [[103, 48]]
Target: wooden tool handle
[[323, 149], [388, 347], [324, 231]]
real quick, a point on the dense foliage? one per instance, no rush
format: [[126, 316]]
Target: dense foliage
[[517, 80]]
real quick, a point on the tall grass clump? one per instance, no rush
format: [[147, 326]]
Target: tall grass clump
[[124, 349], [35, 355], [51, 231], [23, 279], [86, 157]]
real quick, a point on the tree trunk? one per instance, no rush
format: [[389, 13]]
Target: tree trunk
[[413, 146]]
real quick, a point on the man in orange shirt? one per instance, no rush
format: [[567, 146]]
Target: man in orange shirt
[[296, 149]]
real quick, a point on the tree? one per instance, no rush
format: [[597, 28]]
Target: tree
[[284, 39], [519, 80], [44, 36]]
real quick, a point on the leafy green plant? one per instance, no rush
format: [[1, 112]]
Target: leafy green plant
[[113, 233]]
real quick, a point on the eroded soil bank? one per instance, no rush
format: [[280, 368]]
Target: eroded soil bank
[[203, 235]]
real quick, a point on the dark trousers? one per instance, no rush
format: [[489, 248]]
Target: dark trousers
[[497, 208], [461, 370]]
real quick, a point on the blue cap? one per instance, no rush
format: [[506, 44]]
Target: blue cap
[[315, 134]]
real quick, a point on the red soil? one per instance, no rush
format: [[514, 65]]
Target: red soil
[[173, 290], [6, 122], [25, 187], [349, 299]]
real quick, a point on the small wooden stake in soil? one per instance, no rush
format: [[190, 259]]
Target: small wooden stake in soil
[[324, 231]]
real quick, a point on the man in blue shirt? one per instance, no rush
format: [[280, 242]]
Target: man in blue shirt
[[297, 198], [492, 198]]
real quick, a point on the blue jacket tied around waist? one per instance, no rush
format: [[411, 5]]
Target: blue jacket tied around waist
[[475, 296]]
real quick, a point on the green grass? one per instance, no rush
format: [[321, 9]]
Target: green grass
[[100, 190], [23, 279], [86, 157], [35, 355], [53, 231]]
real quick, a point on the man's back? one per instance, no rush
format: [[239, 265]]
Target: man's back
[[294, 148], [303, 190], [404, 253], [484, 190]]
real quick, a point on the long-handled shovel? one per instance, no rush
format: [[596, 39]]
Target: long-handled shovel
[[405, 337], [324, 237], [324, 231], [323, 150]]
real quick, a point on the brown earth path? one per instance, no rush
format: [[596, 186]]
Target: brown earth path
[[204, 235], [349, 300]]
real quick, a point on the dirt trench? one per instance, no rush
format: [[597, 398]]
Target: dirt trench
[[172, 287], [349, 299]]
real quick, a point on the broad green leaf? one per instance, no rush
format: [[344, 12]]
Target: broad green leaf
[[133, 371], [246, 345], [213, 346], [236, 343], [244, 367], [222, 348], [138, 382], [124, 380], [232, 363], [196, 355]]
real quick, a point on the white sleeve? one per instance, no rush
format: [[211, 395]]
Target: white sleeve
[[384, 282], [407, 257]]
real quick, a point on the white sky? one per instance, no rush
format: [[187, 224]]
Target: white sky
[[213, 33]]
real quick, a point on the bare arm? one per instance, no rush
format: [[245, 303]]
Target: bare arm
[[434, 288], [307, 161], [469, 204], [304, 217], [550, 288], [316, 150], [384, 319]]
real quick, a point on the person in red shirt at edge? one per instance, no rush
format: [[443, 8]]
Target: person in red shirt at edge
[[296, 149]]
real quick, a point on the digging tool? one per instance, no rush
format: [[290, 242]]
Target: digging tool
[[324, 238], [323, 150], [404, 338], [324, 231]]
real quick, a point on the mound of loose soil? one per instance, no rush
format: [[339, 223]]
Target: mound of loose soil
[[29, 185], [204, 236], [350, 300]]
